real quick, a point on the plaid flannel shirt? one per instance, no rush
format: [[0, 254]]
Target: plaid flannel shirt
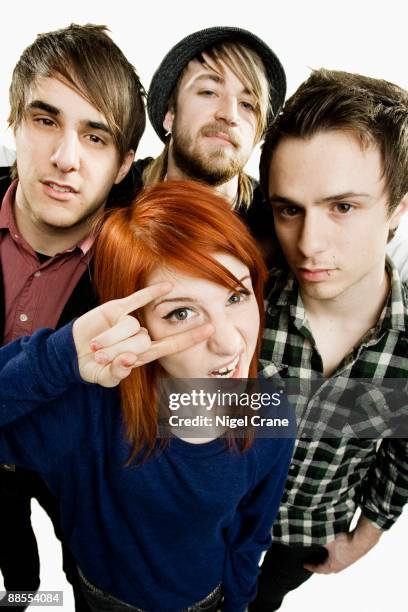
[[330, 477]]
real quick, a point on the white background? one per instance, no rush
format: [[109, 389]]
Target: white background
[[369, 37]]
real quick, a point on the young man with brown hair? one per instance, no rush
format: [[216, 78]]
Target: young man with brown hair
[[74, 146], [334, 167]]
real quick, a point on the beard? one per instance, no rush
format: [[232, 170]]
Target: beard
[[213, 166]]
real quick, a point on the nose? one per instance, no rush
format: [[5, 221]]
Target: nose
[[227, 110], [66, 153], [226, 339], [313, 237]]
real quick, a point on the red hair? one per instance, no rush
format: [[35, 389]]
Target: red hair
[[179, 224]]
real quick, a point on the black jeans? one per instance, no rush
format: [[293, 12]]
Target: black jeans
[[282, 571], [100, 601], [19, 560]]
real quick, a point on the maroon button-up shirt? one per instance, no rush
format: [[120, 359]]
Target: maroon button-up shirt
[[35, 293]]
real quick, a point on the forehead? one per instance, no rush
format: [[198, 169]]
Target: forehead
[[196, 71], [198, 287], [327, 163], [68, 101]]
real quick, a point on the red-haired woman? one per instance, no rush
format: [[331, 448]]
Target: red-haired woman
[[155, 526]]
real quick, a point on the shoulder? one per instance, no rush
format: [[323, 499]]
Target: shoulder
[[141, 164], [404, 293], [126, 191], [273, 452], [277, 281]]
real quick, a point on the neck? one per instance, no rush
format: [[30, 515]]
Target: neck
[[229, 189], [365, 300], [47, 239]]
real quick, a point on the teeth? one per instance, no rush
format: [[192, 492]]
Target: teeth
[[227, 371], [60, 189]]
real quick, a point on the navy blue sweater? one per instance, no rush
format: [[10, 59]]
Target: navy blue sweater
[[160, 535]]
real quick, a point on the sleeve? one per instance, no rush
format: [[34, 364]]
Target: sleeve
[[37, 390], [34, 370], [386, 488], [250, 536]]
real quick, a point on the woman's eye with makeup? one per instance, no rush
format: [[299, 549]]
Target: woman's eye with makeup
[[180, 314], [241, 295]]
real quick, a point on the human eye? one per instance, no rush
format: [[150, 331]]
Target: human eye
[[44, 121], [95, 139], [208, 93], [249, 106], [179, 315], [238, 296], [343, 207], [287, 212]]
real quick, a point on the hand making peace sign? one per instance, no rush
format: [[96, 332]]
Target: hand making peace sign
[[110, 342]]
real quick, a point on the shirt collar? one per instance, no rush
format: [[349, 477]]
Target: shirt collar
[[6, 212], [395, 311], [285, 294]]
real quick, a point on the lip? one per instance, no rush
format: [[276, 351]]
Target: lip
[[58, 195], [315, 274], [221, 137], [236, 371]]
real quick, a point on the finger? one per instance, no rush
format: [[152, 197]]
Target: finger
[[126, 327], [137, 344], [122, 366], [175, 343], [142, 297]]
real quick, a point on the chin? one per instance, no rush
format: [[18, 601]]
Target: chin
[[322, 293]]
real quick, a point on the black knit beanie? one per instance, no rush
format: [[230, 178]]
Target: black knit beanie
[[166, 76]]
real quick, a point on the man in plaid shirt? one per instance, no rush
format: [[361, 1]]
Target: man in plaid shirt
[[335, 169]]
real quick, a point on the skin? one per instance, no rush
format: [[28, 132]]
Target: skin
[[193, 326], [109, 342], [234, 316], [332, 220], [213, 127], [330, 210], [62, 140]]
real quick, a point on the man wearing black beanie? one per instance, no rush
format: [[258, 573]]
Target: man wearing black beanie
[[209, 102]]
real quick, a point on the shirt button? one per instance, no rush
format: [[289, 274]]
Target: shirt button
[[292, 467], [23, 318], [37, 274]]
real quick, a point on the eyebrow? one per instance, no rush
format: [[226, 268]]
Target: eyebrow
[[189, 299], [213, 76], [53, 110], [277, 199], [48, 108]]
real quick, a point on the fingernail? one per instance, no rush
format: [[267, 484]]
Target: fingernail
[[95, 346], [129, 362], [101, 358]]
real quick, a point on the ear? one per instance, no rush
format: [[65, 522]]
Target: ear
[[125, 166], [400, 210], [168, 120]]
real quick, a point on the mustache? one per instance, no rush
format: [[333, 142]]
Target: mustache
[[214, 128]]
